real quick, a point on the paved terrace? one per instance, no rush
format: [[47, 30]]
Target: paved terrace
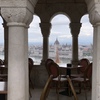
[[53, 96]]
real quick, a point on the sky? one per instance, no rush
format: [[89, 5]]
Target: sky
[[60, 30]]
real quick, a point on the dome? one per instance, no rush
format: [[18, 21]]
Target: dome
[[56, 42]]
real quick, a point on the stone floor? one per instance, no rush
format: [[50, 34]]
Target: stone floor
[[53, 96]]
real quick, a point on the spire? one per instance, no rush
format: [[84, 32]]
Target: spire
[[56, 42], [57, 60]]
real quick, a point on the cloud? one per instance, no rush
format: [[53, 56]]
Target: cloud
[[65, 36], [1, 31], [86, 31], [60, 19], [35, 40], [34, 32]]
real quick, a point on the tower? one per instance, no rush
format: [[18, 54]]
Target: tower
[[57, 59]]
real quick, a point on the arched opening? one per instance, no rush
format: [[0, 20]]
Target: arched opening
[[86, 39], [35, 41], [1, 39], [60, 40]]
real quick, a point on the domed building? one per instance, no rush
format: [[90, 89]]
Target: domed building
[[56, 42]]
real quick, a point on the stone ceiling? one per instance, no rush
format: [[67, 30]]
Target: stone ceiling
[[61, 1], [75, 9]]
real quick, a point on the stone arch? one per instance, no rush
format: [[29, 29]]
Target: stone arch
[[37, 16], [2, 37], [35, 31], [57, 14], [86, 33], [50, 10], [60, 35], [89, 28], [62, 13]]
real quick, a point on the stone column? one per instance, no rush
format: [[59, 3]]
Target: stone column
[[26, 56], [5, 43], [26, 60], [94, 15], [75, 29], [16, 61], [18, 82], [45, 29]]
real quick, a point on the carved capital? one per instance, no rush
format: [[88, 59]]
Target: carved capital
[[20, 11], [75, 29], [94, 14], [19, 15], [45, 28], [94, 11]]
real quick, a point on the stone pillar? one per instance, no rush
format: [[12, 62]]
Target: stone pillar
[[75, 29], [5, 43], [16, 61], [45, 29], [26, 54], [26, 60], [18, 80], [94, 15]]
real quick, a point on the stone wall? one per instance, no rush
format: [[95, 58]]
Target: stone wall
[[39, 75]]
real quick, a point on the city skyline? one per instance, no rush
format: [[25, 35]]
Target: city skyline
[[60, 30]]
